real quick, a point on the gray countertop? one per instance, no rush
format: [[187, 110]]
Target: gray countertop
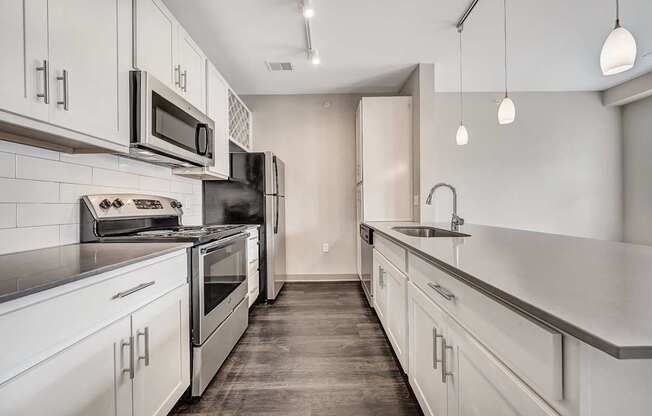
[[599, 292], [28, 272]]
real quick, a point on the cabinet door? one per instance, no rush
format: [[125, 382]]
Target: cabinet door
[[162, 349], [217, 108], [85, 378], [380, 287], [83, 42], [358, 239], [482, 385], [156, 41], [23, 42], [193, 70], [396, 312], [426, 329]]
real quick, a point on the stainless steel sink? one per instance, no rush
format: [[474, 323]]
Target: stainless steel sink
[[427, 232]]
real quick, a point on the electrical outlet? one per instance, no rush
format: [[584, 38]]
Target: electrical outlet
[[324, 248]]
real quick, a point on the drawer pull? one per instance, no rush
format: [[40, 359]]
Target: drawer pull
[[444, 360], [133, 290], [447, 294], [145, 334], [46, 79], [435, 335], [129, 344]]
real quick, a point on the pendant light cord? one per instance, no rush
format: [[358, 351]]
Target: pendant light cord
[[505, 33], [461, 95], [617, 13]]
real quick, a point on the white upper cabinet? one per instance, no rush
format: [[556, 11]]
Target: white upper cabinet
[[155, 41], [193, 71], [83, 43], [24, 57], [164, 49], [64, 71], [217, 108], [240, 123]]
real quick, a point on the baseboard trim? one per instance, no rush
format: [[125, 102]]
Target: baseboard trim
[[322, 278]]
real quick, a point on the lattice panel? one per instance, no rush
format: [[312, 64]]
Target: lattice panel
[[239, 122]]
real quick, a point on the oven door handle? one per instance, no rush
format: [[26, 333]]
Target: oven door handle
[[221, 243]]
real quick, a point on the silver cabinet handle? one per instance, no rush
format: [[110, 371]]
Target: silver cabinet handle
[[144, 333], [133, 290], [177, 76], [435, 335], [46, 82], [185, 80], [64, 79], [129, 344], [444, 361], [381, 276], [447, 294]]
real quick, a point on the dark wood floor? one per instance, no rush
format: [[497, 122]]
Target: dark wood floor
[[318, 350]]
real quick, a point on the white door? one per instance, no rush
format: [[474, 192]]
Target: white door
[[358, 239], [162, 351], [193, 67], [84, 69], [426, 330], [482, 385], [156, 42], [84, 379], [217, 108], [23, 42], [380, 287], [358, 143], [396, 313]]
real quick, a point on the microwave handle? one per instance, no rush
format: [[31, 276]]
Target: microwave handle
[[197, 130]]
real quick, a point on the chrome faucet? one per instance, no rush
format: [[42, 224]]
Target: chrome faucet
[[456, 221]]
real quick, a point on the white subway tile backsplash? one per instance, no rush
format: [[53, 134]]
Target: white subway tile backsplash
[[69, 234], [21, 190], [28, 167], [7, 165], [40, 192], [148, 183], [181, 187], [21, 149], [28, 238], [143, 168], [29, 215], [115, 178], [7, 215], [96, 161]]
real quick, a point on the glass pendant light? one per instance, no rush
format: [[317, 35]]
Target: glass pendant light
[[462, 136], [507, 109], [619, 50]]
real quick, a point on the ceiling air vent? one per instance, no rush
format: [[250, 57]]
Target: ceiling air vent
[[279, 66]]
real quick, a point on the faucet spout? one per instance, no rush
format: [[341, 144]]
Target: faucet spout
[[456, 220]]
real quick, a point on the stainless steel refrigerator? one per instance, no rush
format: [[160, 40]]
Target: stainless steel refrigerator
[[255, 194]]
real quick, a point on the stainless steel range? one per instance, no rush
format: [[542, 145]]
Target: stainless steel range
[[218, 268]]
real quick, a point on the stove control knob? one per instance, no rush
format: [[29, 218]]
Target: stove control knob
[[175, 204], [117, 203], [105, 204]]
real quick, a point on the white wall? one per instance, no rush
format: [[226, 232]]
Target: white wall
[[315, 137], [40, 191], [637, 127], [557, 169]]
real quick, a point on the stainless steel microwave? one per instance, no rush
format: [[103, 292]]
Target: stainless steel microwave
[[165, 128]]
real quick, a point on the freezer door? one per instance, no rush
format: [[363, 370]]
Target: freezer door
[[275, 244], [274, 175]]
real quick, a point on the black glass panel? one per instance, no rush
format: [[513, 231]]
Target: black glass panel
[[224, 271]]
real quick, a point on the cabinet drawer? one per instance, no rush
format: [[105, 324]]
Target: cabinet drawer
[[252, 249], [396, 254], [253, 234], [61, 316], [529, 348]]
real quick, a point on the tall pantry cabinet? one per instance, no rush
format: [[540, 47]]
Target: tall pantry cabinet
[[383, 161]]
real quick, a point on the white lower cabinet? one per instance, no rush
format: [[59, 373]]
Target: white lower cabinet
[[86, 378], [452, 374], [253, 274], [162, 350], [390, 299]]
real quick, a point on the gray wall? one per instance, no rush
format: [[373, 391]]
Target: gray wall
[[637, 128], [557, 169], [315, 136]]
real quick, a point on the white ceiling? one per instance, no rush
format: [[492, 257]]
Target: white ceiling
[[370, 46]]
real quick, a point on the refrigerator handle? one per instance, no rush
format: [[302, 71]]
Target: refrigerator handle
[[276, 214], [275, 176]]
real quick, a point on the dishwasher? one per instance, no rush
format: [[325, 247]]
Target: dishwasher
[[366, 262]]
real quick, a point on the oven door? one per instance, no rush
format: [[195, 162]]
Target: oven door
[[164, 123], [221, 283]]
